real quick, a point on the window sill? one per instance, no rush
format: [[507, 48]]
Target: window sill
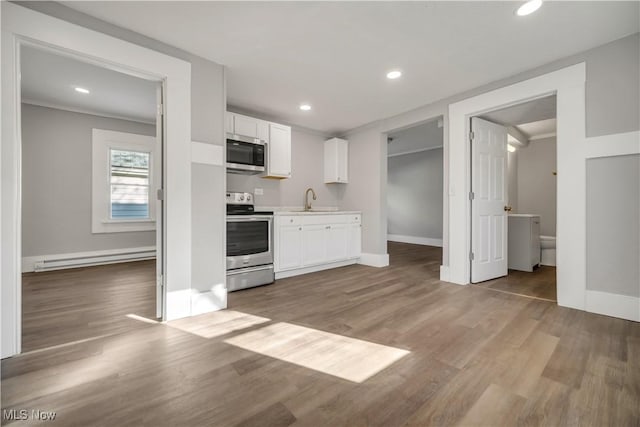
[[129, 221], [122, 226]]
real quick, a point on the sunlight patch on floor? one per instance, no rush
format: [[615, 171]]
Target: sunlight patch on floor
[[348, 358], [217, 323], [141, 319]]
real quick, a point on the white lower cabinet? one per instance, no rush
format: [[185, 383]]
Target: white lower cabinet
[[314, 245], [308, 242], [354, 241], [290, 242], [337, 237]]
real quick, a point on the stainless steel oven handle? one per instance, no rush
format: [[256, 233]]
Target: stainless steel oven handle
[[249, 270], [247, 218]]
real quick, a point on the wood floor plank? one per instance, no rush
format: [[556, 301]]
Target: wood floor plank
[[496, 406]]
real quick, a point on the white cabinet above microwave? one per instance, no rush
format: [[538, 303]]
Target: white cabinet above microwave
[[246, 126]]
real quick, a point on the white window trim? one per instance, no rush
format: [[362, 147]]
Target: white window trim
[[102, 142]]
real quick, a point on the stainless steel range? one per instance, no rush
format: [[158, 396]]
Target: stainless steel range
[[249, 244]]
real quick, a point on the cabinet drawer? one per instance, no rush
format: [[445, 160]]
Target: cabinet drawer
[[325, 219], [290, 220]]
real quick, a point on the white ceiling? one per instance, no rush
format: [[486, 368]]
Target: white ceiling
[[534, 118], [50, 79], [416, 138], [527, 112], [334, 55], [539, 129]]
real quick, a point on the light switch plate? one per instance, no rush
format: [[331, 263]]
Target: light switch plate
[[258, 191]]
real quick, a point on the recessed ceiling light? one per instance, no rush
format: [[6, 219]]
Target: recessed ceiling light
[[82, 90], [529, 7], [394, 74], [305, 107]]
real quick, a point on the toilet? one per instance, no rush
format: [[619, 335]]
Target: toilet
[[548, 250]]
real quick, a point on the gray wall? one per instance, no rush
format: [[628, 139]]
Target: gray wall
[[537, 189], [367, 187], [56, 183], [307, 158], [414, 194], [613, 225], [612, 106], [208, 103]]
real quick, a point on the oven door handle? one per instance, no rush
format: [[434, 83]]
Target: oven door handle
[[249, 218], [249, 270]]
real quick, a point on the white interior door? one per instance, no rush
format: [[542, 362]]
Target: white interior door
[[159, 188], [488, 200]]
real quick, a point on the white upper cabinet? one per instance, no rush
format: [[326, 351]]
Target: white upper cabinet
[[336, 161], [245, 126], [228, 122], [263, 130], [279, 151]]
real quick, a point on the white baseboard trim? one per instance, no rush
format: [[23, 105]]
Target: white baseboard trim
[[313, 269], [548, 257], [426, 241], [86, 259], [615, 305], [206, 302], [374, 260]]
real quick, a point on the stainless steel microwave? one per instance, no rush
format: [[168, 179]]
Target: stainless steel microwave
[[245, 155]]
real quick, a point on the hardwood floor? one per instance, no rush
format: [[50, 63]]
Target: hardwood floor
[[541, 283], [454, 355], [62, 306]]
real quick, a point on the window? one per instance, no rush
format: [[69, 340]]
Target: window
[[129, 184], [124, 180]]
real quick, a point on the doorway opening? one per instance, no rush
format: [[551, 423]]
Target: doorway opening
[[91, 165], [514, 199], [415, 188]]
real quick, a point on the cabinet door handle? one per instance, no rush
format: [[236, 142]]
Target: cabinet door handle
[[300, 228], [328, 227]]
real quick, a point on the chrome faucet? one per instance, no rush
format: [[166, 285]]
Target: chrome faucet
[[307, 205]]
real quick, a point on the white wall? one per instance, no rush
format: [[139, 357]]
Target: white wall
[[56, 183], [307, 157], [414, 195], [536, 184]]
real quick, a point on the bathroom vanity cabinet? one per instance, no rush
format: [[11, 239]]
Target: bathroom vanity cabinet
[[524, 242]]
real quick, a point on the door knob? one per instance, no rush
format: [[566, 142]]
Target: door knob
[[507, 208]]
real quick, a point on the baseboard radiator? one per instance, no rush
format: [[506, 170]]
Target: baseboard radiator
[[86, 259]]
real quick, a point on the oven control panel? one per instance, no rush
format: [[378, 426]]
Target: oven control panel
[[234, 198]]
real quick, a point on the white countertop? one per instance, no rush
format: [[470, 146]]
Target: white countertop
[[315, 212]]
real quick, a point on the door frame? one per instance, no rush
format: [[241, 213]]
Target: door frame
[[21, 25], [568, 84]]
